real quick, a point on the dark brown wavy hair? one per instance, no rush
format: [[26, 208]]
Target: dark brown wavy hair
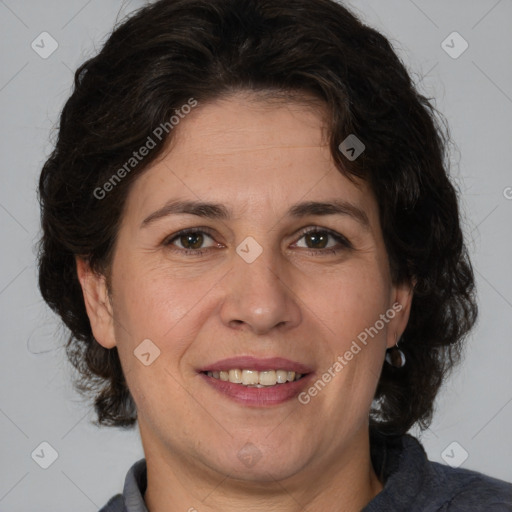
[[174, 50]]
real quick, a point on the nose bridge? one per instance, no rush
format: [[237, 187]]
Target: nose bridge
[[257, 294]]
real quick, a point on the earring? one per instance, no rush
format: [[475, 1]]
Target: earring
[[394, 356]]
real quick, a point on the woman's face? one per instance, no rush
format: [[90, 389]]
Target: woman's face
[[248, 282]]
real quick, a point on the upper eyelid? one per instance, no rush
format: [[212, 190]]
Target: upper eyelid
[[186, 231], [302, 232], [318, 229]]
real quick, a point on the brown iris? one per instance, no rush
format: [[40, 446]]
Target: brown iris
[[316, 237], [191, 237]]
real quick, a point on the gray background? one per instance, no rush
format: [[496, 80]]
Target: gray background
[[37, 402]]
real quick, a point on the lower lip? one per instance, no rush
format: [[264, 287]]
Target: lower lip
[[259, 397]]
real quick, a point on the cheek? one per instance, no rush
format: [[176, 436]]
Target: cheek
[[351, 311], [357, 338], [350, 302], [153, 302]]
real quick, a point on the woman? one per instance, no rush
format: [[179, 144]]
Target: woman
[[249, 230]]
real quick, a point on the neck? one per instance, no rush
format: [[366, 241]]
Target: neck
[[344, 483]]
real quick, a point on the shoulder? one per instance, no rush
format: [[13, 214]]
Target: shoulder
[[132, 498], [471, 490], [412, 482], [115, 504]]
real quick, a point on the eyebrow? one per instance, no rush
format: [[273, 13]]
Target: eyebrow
[[221, 212]]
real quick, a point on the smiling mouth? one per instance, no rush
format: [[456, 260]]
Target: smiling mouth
[[254, 378]]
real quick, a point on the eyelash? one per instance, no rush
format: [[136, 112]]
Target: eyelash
[[317, 252]]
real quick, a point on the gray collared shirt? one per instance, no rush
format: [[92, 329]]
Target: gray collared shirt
[[412, 483], [132, 499]]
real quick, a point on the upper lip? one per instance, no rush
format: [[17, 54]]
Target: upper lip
[[258, 364]]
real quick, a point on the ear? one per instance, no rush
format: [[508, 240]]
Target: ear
[[402, 295], [97, 303]]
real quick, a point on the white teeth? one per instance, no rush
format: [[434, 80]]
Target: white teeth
[[281, 376], [249, 377], [235, 376], [268, 378], [254, 378]]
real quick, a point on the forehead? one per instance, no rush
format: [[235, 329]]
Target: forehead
[[230, 120], [250, 153]]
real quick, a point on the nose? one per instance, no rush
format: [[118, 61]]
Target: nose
[[259, 296]]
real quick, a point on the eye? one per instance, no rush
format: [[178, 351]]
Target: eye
[[190, 241], [317, 239]]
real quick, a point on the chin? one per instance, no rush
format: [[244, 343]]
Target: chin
[[251, 464]]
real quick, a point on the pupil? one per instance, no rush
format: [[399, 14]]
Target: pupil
[[316, 237], [189, 238]]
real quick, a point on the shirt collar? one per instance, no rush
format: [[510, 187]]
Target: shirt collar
[[135, 486]]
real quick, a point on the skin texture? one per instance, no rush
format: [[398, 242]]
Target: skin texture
[[294, 301]]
